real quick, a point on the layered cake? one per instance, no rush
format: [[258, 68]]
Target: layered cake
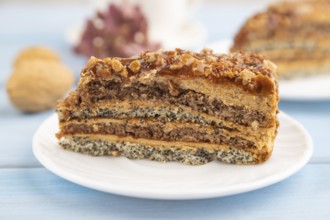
[[174, 106], [295, 35]]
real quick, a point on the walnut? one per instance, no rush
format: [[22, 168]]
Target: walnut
[[135, 66], [36, 52], [116, 65], [36, 85]]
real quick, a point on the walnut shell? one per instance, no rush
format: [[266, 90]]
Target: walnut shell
[[36, 85], [36, 52]]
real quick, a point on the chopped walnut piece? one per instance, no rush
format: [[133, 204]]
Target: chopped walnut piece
[[135, 66], [124, 72], [198, 68], [150, 57], [160, 61], [270, 65], [116, 65], [102, 70], [187, 59], [108, 61], [92, 61], [176, 66], [247, 75], [207, 70]]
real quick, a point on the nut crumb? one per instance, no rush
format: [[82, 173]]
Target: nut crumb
[[135, 66], [116, 65], [247, 76], [187, 59]]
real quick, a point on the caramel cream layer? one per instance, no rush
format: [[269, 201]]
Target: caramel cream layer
[[162, 144], [142, 109], [259, 137]]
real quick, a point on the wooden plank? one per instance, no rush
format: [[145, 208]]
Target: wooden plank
[[37, 193]]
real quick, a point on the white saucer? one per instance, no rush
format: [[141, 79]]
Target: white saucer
[[311, 88], [174, 181]]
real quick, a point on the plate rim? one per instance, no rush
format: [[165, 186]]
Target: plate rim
[[166, 195]]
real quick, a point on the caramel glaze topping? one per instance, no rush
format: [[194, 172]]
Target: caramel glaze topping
[[284, 20], [252, 72]]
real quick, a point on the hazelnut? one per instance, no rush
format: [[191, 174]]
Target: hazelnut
[[36, 85]]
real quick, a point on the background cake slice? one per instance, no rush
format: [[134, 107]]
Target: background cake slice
[[295, 35], [174, 106]]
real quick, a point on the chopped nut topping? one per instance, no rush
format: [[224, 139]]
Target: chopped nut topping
[[247, 75], [150, 57], [172, 53], [241, 68], [270, 65], [198, 68], [135, 66], [207, 70], [207, 51], [92, 61], [159, 61], [187, 59], [176, 66], [107, 61], [124, 72], [102, 70], [116, 65]]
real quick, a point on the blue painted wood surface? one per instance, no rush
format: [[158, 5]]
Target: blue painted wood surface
[[28, 191]]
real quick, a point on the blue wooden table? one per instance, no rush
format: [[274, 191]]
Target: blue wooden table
[[29, 191]]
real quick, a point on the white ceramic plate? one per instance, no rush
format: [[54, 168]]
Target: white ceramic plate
[[174, 181], [309, 88]]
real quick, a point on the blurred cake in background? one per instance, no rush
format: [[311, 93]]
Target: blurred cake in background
[[121, 30], [295, 35]]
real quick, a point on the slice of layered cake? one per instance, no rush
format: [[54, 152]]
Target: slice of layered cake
[[295, 35], [174, 106]]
